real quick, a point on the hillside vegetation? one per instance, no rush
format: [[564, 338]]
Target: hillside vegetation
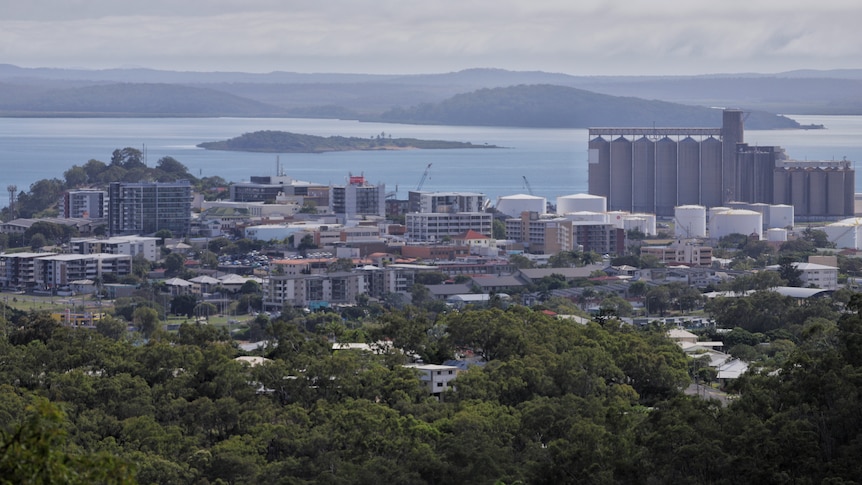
[[286, 142]]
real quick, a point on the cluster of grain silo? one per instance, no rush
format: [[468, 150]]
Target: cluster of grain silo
[[846, 233], [689, 221], [736, 221], [514, 205], [580, 203], [816, 189]]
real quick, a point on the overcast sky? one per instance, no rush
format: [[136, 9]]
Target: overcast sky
[[580, 37]]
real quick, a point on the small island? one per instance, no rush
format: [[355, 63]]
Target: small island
[[286, 142]]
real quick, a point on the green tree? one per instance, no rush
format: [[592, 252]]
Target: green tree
[[147, 320], [175, 264], [789, 272], [75, 177]]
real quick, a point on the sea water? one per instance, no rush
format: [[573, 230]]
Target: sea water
[[543, 162]]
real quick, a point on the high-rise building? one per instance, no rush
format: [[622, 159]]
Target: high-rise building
[[446, 201], [84, 204], [357, 198], [147, 207], [654, 170]]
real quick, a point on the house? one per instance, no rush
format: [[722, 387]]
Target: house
[[436, 378]]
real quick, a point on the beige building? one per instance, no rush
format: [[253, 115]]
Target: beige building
[[688, 253]]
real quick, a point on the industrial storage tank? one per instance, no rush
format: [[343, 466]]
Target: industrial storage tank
[[780, 215], [835, 198], [846, 234], [581, 202], [689, 221], [643, 166], [632, 222], [649, 220], [598, 217], [736, 221], [817, 192], [617, 218], [514, 205], [775, 234]]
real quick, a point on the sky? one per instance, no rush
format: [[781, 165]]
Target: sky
[[578, 37]]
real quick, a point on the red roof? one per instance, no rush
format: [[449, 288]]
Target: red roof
[[471, 234]]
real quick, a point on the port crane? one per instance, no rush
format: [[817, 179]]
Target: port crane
[[527, 184], [424, 176]]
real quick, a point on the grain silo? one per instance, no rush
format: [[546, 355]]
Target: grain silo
[[598, 168], [846, 234], [710, 169], [514, 205], [775, 234], [799, 192], [736, 221], [689, 221], [817, 192], [621, 174], [643, 167], [836, 196], [665, 176], [581, 202], [688, 183]]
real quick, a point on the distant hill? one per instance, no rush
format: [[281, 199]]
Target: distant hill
[[548, 106], [149, 92], [128, 100]]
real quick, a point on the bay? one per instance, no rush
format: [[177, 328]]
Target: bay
[[553, 161]]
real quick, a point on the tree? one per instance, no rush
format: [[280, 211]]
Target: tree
[[789, 272], [163, 234], [128, 158], [184, 305], [36, 451], [75, 177], [658, 300], [498, 229], [250, 287], [38, 241], [175, 264], [146, 319], [521, 262]]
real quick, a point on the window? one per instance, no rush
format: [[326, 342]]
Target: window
[[439, 384]]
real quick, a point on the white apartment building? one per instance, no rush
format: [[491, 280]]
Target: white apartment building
[[434, 226], [128, 245]]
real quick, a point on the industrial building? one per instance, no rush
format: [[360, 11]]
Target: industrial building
[[654, 170]]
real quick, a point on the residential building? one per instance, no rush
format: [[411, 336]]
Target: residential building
[[680, 252], [434, 226], [436, 378], [357, 198], [147, 207], [551, 235], [61, 270], [304, 290], [19, 270], [815, 275], [84, 204], [128, 245], [430, 202]]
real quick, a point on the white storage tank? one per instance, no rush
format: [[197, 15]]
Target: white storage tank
[[736, 221], [846, 234], [649, 220], [617, 218], [776, 234], [599, 217], [514, 205], [631, 223], [581, 203], [781, 215], [689, 221]]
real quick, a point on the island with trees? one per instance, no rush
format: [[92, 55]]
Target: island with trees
[[270, 141]]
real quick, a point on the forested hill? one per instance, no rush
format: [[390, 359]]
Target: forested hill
[[550, 106], [127, 99], [286, 142]]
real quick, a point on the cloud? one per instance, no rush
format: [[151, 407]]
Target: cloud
[[588, 36]]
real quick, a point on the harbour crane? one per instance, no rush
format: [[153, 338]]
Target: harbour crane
[[424, 176], [527, 184]]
